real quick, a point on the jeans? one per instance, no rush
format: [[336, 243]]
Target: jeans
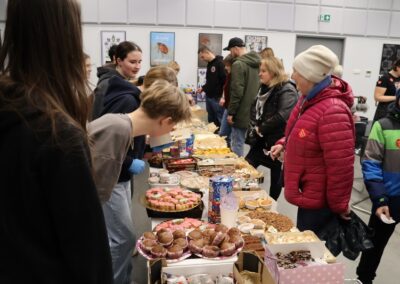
[[371, 258], [121, 236], [237, 140], [225, 129], [214, 111], [256, 157]]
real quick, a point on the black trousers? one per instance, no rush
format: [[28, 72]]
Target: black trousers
[[371, 258], [313, 219], [256, 157]]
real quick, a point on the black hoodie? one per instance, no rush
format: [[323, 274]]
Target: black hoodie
[[123, 97], [51, 222], [215, 78], [104, 73]]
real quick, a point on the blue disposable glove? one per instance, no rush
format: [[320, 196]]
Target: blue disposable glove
[[136, 167], [162, 147]]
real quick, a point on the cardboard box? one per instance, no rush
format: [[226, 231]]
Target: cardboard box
[[251, 262], [316, 274], [194, 266]]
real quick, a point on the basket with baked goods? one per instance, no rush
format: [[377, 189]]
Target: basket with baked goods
[[171, 245], [161, 177], [218, 243], [195, 183], [172, 202], [210, 144], [306, 236], [180, 164], [257, 200], [256, 223]]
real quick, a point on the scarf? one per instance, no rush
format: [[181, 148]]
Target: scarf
[[263, 95]]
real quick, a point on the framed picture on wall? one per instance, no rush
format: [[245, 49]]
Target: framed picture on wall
[[108, 39], [255, 43], [390, 53], [213, 42], [201, 80], [162, 48]]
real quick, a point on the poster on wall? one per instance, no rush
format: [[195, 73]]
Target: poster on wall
[[162, 47], [390, 53], [213, 42], [108, 39], [201, 80], [255, 43]]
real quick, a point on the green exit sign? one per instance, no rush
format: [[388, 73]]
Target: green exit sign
[[326, 18]]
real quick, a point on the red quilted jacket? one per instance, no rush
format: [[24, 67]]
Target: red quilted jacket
[[319, 150]]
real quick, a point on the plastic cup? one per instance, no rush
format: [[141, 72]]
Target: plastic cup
[[228, 216]]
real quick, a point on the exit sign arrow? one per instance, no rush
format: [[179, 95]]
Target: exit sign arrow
[[325, 18]]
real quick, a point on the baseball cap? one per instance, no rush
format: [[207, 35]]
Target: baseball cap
[[235, 41]]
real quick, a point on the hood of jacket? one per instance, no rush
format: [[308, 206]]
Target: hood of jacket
[[338, 89], [120, 87], [251, 58], [106, 72]]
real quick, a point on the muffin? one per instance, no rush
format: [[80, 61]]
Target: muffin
[[233, 232], [211, 251], [159, 251], [237, 240], [195, 235], [227, 248], [147, 245], [149, 236], [182, 242], [221, 228], [208, 233], [165, 238], [175, 252], [217, 238], [196, 246], [179, 234]]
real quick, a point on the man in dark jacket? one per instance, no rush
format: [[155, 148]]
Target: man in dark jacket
[[243, 89], [215, 80]]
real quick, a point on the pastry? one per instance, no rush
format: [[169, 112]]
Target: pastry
[[227, 248], [159, 251], [211, 251], [181, 242], [195, 235], [165, 238], [147, 245], [175, 252], [196, 246], [179, 234], [149, 236]]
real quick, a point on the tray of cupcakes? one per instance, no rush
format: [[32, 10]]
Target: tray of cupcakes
[[216, 243], [171, 245], [172, 202]]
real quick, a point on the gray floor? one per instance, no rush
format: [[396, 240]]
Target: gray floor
[[388, 270]]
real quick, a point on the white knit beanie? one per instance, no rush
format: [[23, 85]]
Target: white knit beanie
[[315, 63]]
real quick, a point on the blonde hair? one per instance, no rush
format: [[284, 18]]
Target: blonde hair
[[163, 99], [175, 66], [275, 67], [160, 72], [267, 52]]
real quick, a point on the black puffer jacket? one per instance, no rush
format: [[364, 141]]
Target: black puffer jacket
[[276, 111]]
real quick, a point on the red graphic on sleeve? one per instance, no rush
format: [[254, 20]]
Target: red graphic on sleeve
[[398, 143]]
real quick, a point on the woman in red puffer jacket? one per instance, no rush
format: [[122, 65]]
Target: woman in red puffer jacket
[[319, 142]]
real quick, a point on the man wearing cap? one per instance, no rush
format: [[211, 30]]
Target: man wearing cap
[[243, 89], [319, 142]]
